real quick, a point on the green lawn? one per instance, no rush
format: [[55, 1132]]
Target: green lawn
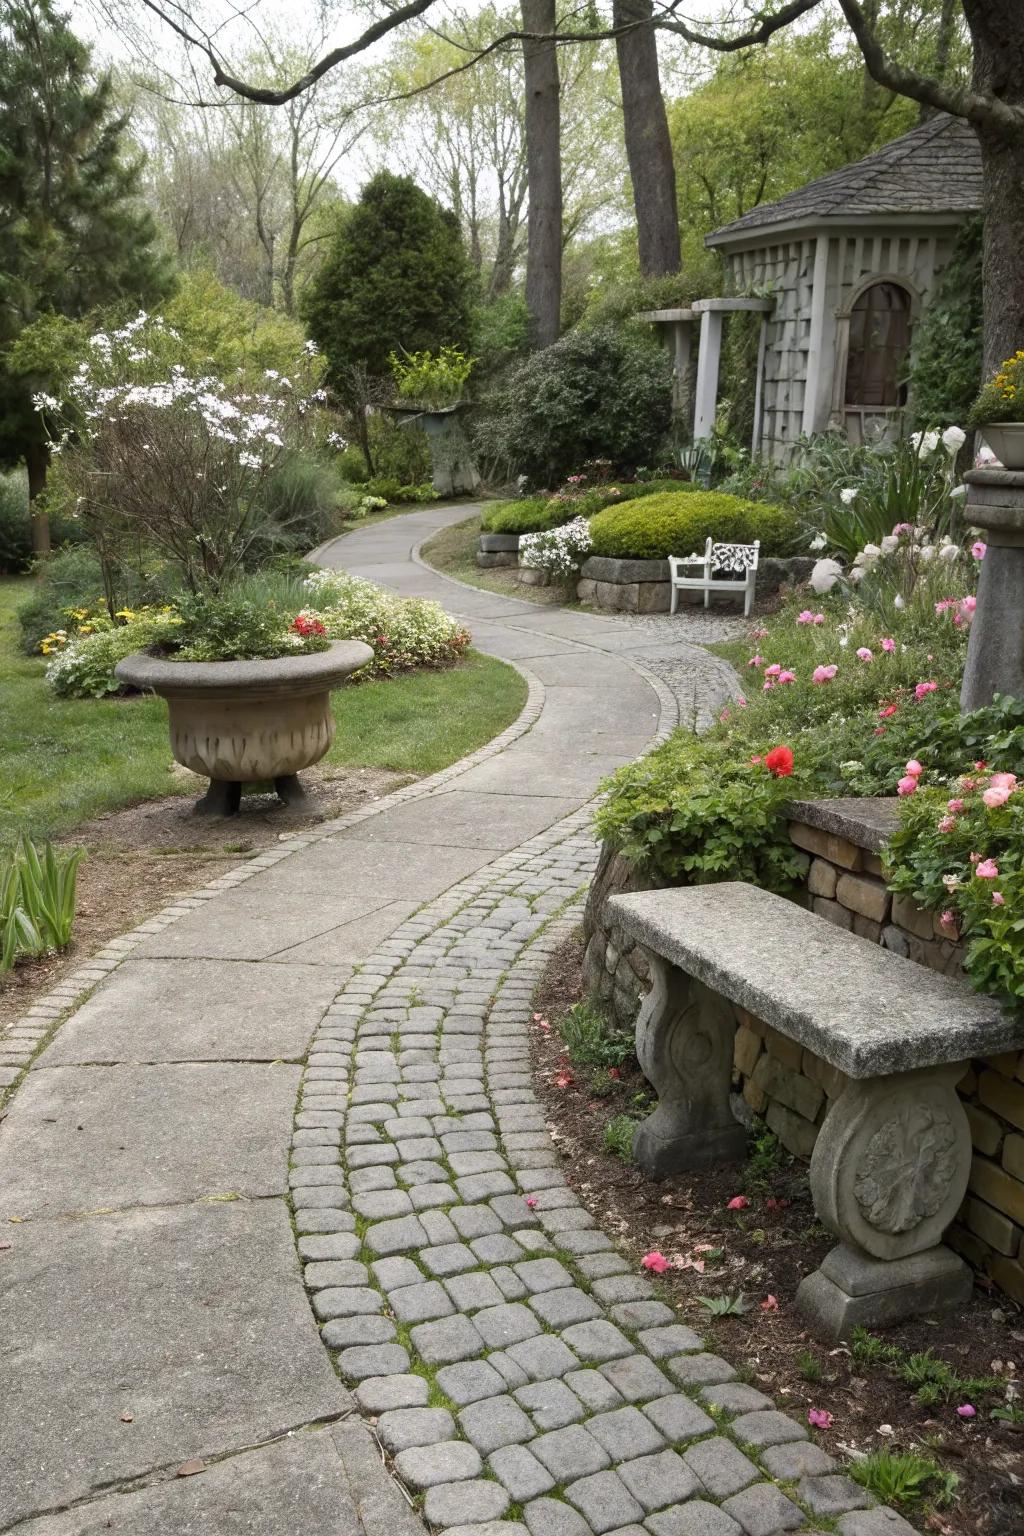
[[452, 551], [63, 761]]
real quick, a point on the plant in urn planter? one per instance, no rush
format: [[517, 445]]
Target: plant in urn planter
[[249, 700], [429, 388], [178, 468], [999, 412]]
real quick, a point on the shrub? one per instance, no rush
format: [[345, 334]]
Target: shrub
[[84, 668], [15, 525], [595, 393], [695, 811], [677, 523], [560, 551], [234, 628], [536, 514], [71, 578], [394, 491], [299, 497], [404, 632]]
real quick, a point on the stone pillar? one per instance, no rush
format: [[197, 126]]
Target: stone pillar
[[995, 653], [888, 1174], [684, 1043], [708, 359]]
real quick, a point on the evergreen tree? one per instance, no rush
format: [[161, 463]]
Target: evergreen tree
[[73, 236], [396, 275]]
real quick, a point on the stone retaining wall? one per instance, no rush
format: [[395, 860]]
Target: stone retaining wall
[[497, 549], [791, 1089], [641, 586]]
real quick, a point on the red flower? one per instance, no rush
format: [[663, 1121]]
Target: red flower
[[306, 627], [779, 761]]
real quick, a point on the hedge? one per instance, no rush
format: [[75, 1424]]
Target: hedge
[[677, 523]]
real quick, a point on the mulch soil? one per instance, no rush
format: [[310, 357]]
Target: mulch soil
[[763, 1251], [140, 859]]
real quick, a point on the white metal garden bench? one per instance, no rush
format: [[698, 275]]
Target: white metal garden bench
[[715, 559]]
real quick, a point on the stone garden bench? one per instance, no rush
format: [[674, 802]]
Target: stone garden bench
[[891, 1160]]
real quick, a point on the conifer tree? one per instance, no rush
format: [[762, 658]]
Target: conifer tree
[[73, 236]]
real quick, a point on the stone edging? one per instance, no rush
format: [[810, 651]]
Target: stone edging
[[37, 1024], [514, 1367]]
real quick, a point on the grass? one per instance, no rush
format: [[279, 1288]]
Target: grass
[[452, 551], [904, 1478], [64, 761]]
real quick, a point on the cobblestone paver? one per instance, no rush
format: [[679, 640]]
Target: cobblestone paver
[[527, 1382]]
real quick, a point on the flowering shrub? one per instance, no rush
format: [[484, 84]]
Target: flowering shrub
[[959, 850], [83, 666], [1002, 398], [695, 810], [852, 704], [560, 552], [404, 632], [181, 463]]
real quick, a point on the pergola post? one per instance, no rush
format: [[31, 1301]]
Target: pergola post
[[712, 314], [675, 326], [708, 363]]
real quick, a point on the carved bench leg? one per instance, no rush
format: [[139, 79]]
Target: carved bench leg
[[684, 1041], [888, 1174]]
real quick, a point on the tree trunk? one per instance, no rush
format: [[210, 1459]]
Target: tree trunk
[[648, 146], [37, 461], [544, 173], [997, 33]]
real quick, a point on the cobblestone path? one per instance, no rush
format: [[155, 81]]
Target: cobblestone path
[[160, 1362]]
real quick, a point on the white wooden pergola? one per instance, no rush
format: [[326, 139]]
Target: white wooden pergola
[[676, 328]]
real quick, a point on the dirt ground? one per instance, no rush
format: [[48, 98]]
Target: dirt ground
[[763, 1251], [140, 858]]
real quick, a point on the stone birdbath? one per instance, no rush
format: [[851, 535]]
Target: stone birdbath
[[454, 473], [244, 722], [995, 652]]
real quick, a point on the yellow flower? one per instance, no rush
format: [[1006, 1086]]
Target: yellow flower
[[124, 613], [86, 629]]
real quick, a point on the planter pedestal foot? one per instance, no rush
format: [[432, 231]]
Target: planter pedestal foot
[[223, 798], [290, 790]]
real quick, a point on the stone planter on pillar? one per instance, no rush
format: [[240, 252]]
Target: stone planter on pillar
[[243, 722], [995, 653], [454, 473]]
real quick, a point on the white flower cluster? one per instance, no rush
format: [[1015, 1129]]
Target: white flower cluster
[[560, 551], [404, 632], [926, 443]]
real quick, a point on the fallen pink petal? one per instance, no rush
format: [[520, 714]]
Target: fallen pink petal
[[737, 1203], [819, 1418], [656, 1262]]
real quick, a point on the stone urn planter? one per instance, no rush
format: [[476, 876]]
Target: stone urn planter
[[454, 473], [1006, 439], [242, 722]]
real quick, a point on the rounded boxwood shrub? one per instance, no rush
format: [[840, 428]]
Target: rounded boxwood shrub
[[596, 393], [678, 523], [539, 514]]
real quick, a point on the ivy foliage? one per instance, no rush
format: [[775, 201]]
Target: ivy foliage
[[945, 370]]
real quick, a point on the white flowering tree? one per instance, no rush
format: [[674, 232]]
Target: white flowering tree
[[166, 462]]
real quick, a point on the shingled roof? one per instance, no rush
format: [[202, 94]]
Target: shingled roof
[[935, 168]]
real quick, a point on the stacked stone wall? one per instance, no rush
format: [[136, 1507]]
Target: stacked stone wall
[[790, 1088]]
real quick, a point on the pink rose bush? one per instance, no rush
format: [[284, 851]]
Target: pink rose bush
[[962, 855]]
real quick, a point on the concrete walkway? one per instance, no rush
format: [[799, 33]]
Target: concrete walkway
[[152, 1310]]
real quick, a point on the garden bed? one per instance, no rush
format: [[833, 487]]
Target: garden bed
[[764, 1250], [139, 858]]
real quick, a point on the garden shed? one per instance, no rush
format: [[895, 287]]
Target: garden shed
[[849, 263]]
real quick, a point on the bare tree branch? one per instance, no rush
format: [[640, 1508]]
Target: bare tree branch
[[981, 111]]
